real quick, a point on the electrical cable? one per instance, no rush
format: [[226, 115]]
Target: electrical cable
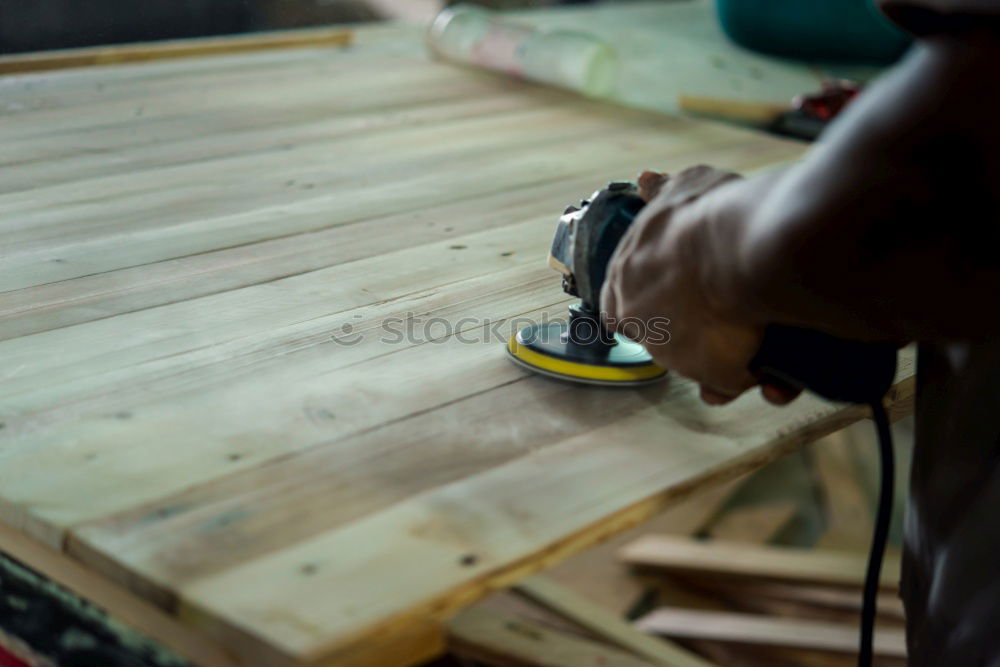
[[880, 534]]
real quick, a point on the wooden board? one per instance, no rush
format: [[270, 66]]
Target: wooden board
[[849, 510], [205, 266], [714, 558], [808, 601], [768, 630]]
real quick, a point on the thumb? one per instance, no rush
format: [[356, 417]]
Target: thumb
[[650, 183]]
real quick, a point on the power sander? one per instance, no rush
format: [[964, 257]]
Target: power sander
[[580, 349]]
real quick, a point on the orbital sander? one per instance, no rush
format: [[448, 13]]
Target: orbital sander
[[581, 349]]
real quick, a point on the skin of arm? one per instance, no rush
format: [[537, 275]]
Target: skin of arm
[[888, 230]]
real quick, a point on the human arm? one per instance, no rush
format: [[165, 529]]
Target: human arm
[[886, 231]]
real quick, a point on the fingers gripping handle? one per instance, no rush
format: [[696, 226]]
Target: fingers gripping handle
[[836, 369]]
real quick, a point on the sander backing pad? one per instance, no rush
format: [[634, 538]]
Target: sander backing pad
[[546, 348]]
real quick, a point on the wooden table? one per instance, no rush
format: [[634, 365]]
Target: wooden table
[[209, 422]]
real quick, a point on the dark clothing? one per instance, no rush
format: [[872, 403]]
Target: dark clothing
[[951, 557]]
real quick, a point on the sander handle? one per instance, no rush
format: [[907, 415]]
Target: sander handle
[[834, 368]]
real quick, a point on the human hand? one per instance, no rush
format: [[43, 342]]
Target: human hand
[[663, 267]]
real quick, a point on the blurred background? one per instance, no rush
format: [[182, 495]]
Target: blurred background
[[31, 25]]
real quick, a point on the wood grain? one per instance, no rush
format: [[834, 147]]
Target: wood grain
[[186, 244]]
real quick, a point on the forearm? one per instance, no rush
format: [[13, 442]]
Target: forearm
[[862, 239]]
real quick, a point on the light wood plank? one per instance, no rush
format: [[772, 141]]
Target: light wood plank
[[820, 597], [844, 568], [849, 509], [754, 629]]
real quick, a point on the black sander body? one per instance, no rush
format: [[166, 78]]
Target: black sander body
[[581, 349]]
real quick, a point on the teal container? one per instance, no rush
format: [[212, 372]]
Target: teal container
[[841, 31]]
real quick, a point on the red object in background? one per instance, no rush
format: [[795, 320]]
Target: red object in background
[[8, 659], [829, 101]]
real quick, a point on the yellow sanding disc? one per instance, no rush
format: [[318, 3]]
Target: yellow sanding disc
[[542, 349]]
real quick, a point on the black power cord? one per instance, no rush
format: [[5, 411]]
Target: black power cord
[[880, 535], [851, 372]]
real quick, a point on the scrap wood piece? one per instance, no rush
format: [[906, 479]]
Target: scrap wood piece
[[606, 625], [889, 604], [479, 634], [781, 608], [755, 523], [170, 49], [848, 508], [768, 630], [761, 114], [601, 577], [714, 557]]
